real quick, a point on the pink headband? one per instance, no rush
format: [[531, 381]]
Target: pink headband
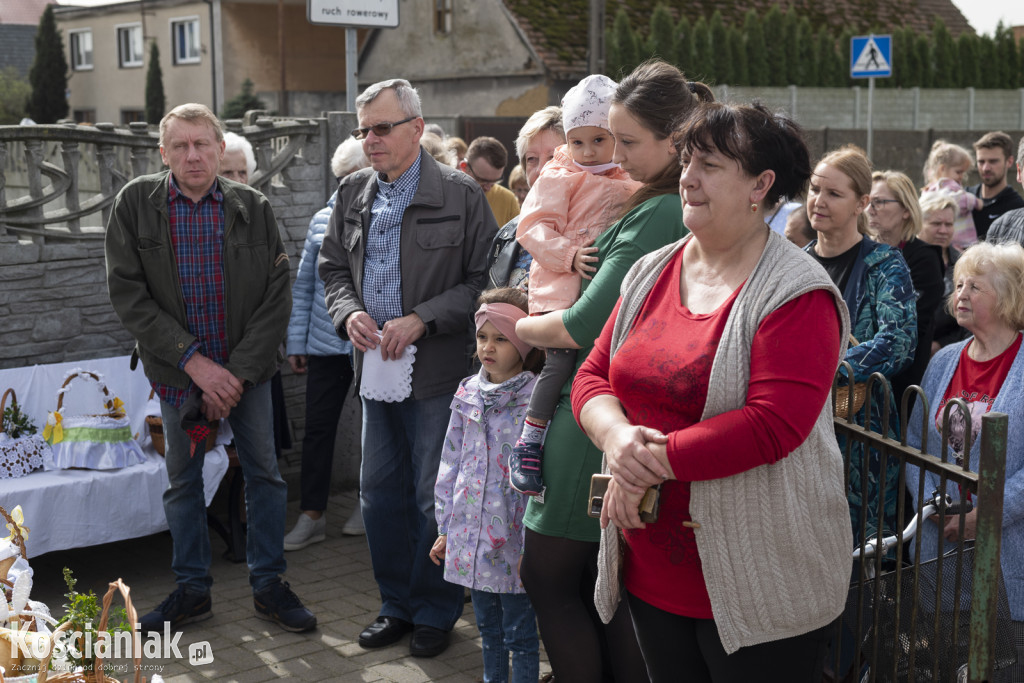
[[504, 317]]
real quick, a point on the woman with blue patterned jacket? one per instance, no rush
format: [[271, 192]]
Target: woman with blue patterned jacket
[[876, 285]]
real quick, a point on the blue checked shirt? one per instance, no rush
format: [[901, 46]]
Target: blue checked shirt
[[197, 235], [382, 274]]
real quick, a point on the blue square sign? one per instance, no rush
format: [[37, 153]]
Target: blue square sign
[[870, 56]]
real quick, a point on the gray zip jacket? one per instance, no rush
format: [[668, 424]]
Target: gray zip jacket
[[446, 233]]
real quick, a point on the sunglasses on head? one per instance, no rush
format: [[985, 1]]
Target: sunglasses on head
[[380, 129]]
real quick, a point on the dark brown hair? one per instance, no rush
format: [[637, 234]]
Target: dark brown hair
[[534, 360], [756, 138], [658, 95], [997, 139], [490, 150]]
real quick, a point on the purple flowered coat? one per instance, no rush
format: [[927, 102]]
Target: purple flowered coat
[[474, 502]]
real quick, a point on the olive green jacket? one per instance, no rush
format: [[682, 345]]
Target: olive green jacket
[[145, 291]]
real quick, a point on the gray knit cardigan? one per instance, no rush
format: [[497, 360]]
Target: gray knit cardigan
[[775, 541]]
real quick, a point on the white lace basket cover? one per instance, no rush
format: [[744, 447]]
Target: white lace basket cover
[[96, 442]]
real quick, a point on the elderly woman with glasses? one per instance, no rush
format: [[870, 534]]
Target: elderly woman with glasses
[[894, 218]]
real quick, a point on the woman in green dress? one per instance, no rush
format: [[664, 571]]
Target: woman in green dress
[[560, 557]]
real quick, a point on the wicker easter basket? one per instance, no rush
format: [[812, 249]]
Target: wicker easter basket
[[19, 455], [97, 674], [155, 424], [858, 392], [97, 441]]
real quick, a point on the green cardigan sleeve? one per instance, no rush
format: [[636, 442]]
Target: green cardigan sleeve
[[653, 224]]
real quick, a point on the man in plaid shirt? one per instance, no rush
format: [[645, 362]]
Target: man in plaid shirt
[[198, 274]]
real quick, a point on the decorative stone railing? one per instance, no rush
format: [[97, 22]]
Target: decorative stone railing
[[61, 209]]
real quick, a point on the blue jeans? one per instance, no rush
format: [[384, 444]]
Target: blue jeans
[[507, 624], [265, 495], [402, 445]]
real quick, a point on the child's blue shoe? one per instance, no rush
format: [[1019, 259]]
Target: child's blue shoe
[[524, 469]]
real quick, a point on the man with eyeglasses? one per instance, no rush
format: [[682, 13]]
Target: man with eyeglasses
[[485, 163], [402, 261]]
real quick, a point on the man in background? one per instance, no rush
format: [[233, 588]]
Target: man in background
[[994, 153]]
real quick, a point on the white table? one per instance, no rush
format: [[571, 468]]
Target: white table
[[77, 508]]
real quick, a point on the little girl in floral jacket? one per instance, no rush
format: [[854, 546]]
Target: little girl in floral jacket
[[479, 514]]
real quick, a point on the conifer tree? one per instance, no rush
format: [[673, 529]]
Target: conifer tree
[[684, 45], [156, 103], [757, 63], [623, 53], [946, 69], [703, 60], [810, 69], [236, 107], [775, 48], [967, 58], [721, 56], [1006, 57], [49, 75], [923, 48], [738, 51], [791, 44], [987, 57], [661, 38]]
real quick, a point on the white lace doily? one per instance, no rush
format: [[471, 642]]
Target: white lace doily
[[387, 380]]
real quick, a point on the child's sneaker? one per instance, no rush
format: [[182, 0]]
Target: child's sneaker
[[524, 469]]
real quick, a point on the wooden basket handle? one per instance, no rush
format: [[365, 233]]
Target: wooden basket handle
[[3, 405], [107, 402], [16, 538], [133, 617]]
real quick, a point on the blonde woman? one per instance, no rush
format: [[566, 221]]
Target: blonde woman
[[894, 218]]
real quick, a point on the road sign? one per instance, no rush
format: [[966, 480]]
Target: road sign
[[357, 13], [870, 56]]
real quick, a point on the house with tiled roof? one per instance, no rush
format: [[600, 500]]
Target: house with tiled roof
[[511, 57], [19, 20]]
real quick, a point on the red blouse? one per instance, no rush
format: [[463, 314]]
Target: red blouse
[[661, 375], [977, 383]]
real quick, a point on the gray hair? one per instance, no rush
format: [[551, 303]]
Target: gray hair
[[408, 98], [548, 118], [348, 158], [436, 129], [930, 202], [234, 142], [192, 112]]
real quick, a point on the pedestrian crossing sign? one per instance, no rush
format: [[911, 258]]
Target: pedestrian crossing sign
[[871, 56]]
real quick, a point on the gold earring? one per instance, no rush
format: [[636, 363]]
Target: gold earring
[[753, 208]]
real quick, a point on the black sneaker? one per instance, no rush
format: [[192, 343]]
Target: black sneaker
[[524, 469], [279, 604], [181, 607]]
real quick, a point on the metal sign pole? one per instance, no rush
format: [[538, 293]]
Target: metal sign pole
[[871, 103], [351, 68]]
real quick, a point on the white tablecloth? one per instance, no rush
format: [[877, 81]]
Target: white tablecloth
[[78, 508]]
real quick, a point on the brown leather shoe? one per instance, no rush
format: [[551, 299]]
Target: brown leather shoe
[[384, 631]]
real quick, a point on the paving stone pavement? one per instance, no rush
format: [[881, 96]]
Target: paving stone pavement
[[332, 578]]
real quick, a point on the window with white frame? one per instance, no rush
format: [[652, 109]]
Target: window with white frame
[[185, 38], [80, 42], [129, 45], [443, 16]]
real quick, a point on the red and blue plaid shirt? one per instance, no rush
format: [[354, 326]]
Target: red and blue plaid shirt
[[197, 236]]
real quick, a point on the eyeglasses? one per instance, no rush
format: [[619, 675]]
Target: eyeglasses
[[879, 204], [380, 129], [479, 179]]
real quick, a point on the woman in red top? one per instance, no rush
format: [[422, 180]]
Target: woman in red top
[[712, 379]]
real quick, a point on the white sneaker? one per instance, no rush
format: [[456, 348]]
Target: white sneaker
[[306, 532], [354, 524]]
